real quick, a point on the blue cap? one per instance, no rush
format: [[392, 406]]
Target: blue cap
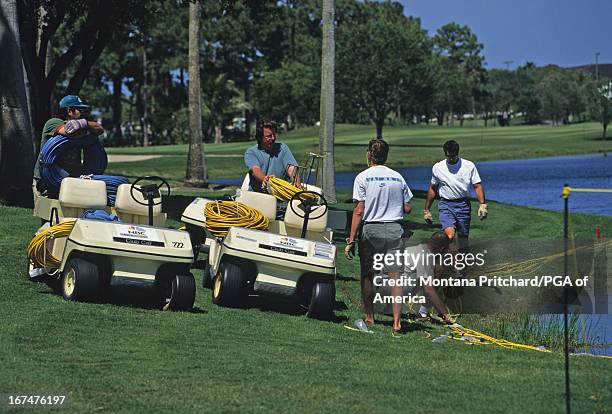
[[72, 101]]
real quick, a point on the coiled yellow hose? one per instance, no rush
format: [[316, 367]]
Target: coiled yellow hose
[[221, 215], [37, 253], [284, 190]]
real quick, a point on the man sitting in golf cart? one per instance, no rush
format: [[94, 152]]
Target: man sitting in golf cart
[[269, 158], [71, 121]]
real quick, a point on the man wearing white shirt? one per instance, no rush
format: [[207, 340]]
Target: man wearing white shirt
[[451, 180], [382, 197]]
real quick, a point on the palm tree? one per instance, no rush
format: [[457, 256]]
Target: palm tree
[[196, 175], [16, 147], [327, 129]]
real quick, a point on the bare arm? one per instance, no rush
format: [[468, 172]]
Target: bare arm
[[292, 171], [356, 220], [480, 194], [407, 208], [258, 173], [431, 195], [432, 295]]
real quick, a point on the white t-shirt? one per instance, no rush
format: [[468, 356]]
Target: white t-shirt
[[384, 192], [454, 180]]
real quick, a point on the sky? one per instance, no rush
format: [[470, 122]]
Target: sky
[[561, 32]]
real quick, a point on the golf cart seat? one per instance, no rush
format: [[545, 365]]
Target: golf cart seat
[[79, 194], [129, 211], [317, 228], [265, 203]]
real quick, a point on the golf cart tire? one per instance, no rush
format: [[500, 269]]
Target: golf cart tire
[[228, 285], [207, 278], [80, 280], [322, 301], [183, 293]]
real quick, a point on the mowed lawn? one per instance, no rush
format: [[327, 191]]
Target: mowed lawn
[[410, 146], [124, 356]]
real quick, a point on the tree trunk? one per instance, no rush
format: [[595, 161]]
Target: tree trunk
[[16, 149], [117, 111], [248, 117], [145, 99], [218, 134], [196, 175], [380, 123], [327, 129]]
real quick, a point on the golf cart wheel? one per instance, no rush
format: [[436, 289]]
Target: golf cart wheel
[[207, 278], [183, 293], [80, 280], [322, 301], [228, 285]]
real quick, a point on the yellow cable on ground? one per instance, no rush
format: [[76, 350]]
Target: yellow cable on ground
[[284, 190], [37, 252], [478, 338], [221, 215]]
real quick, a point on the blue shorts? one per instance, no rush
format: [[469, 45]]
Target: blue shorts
[[457, 214]]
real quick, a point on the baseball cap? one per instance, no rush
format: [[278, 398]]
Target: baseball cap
[[72, 101]]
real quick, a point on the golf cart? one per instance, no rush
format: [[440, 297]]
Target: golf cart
[[134, 251], [294, 258]]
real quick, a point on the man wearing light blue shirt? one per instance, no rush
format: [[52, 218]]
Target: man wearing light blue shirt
[[268, 158]]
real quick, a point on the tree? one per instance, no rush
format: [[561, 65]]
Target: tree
[[602, 106], [528, 100], [463, 73], [222, 103], [16, 150], [552, 91], [499, 94], [289, 93], [196, 175], [382, 58], [327, 129], [77, 31]]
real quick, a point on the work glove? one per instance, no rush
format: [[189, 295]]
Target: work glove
[[482, 211], [74, 125], [427, 216], [349, 250]]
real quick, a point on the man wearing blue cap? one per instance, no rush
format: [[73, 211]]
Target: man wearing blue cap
[[71, 122]]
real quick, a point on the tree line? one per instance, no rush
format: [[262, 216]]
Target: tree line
[[263, 58]]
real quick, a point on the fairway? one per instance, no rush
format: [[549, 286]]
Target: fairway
[[124, 356], [410, 146]]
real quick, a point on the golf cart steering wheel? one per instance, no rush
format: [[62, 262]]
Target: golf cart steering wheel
[[151, 189], [310, 199]]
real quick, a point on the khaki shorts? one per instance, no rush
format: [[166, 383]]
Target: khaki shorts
[[380, 238]]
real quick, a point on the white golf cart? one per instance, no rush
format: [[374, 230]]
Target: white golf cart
[[136, 251], [294, 258]]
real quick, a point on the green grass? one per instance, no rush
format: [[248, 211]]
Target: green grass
[[477, 144], [124, 357]]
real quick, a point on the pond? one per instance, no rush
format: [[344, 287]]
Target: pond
[[535, 182]]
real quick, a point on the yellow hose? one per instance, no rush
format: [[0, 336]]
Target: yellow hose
[[37, 253], [284, 190], [221, 215], [478, 338]]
